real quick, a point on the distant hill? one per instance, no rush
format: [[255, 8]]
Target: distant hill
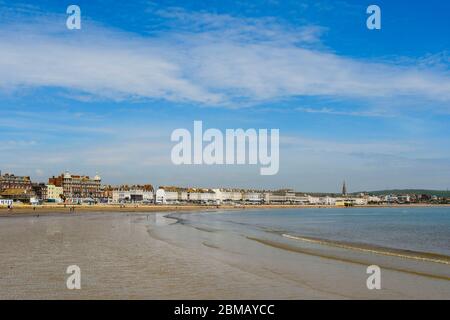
[[439, 193]]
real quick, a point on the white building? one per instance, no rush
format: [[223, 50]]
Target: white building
[[171, 196], [208, 196], [54, 193], [194, 196], [313, 200], [275, 197], [360, 201], [290, 196], [281, 196], [202, 195], [301, 199], [184, 196], [390, 198], [328, 201], [160, 197], [229, 195], [405, 198], [218, 196], [253, 197], [374, 199], [120, 196]]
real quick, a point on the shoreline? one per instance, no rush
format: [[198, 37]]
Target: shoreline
[[328, 256], [349, 246], [403, 267], [60, 209], [375, 249]]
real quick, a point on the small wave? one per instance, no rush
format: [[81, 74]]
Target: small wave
[[205, 229], [296, 249], [407, 254]]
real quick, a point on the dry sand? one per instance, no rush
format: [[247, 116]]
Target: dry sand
[[46, 209]]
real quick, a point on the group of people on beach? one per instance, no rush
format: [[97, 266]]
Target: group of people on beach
[[71, 209]]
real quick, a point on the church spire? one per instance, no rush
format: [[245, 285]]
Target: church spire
[[344, 189]]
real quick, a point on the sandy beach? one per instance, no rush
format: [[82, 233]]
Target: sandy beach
[[148, 256], [49, 209]]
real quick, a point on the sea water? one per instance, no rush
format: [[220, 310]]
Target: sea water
[[422, 229]]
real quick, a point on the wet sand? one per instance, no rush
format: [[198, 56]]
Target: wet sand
[[148, 256]]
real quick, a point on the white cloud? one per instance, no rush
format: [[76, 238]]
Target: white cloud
[[109, 69], [221, 60], [331, 111], [308, 145]]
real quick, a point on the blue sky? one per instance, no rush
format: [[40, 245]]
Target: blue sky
[[368, 106]]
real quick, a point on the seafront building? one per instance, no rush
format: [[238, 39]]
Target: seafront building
[[285, 196], [229, 195], [160, 196], [78, 188], [132, 196], [11, 181], [171, 195], [253, 197], [40, 191], [18, 188], [54, 193], [174, 195], [202, 195], [373, 199]]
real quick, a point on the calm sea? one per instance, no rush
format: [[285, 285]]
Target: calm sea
[[425, 229]]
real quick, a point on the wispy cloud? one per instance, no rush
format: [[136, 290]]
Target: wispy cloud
[[220, 60], [309, 145], [330, 111]]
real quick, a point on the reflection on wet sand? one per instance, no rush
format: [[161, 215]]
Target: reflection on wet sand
[[147, 256]]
